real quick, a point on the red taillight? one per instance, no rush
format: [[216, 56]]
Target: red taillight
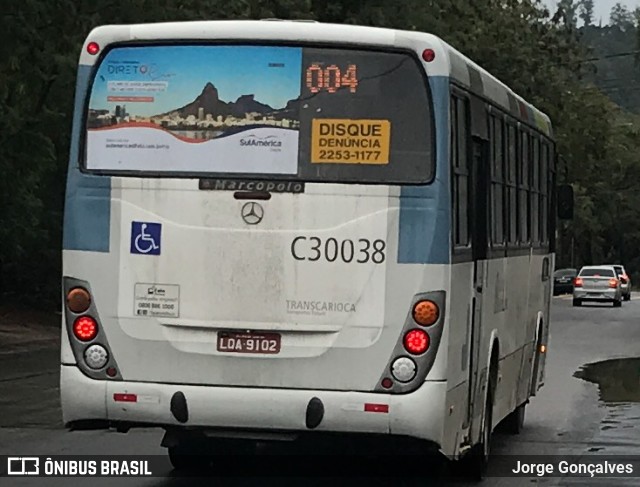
[[387, 383], [376, 408], [416, 341], [85, 328], [613, 283], [578, 282], [93, 48], [120, 397], [428, 55]]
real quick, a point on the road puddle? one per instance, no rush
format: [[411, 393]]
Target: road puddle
[[617, 435], [617, 379]]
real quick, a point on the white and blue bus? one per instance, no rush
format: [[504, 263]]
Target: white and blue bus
[[294, 228]]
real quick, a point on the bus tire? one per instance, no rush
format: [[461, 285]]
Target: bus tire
[[183, 458], [514, 422]]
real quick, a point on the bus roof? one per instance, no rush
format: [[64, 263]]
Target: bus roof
[[448, 61], [479, 81]]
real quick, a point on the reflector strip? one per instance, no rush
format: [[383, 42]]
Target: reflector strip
[[376, 408], [118, 397]]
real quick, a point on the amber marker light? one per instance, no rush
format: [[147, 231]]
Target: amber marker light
[[426, 312], [78, 300]]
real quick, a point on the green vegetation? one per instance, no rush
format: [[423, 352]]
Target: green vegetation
[[542, 55]]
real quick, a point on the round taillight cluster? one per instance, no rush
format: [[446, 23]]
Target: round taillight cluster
[[416, 341], [85, 329]]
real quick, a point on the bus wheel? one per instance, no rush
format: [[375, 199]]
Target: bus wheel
[[514, 423], [184, 458]]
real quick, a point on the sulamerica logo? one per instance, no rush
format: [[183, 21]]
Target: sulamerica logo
[[255, 141]]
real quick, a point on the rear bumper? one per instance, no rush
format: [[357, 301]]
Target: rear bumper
[[599, 295], [418, 415]]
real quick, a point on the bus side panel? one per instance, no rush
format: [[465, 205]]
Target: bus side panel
[[458, 333], [524, 299]]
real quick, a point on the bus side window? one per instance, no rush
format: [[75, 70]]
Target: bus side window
[[524, 217], [535, 190], [496, 127], [460, 173], [512, 201], [544, 198], [453, 155]]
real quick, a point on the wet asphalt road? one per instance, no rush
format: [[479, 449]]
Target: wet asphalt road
[[571, 415]]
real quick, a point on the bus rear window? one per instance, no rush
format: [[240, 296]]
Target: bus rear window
[[300, 113]]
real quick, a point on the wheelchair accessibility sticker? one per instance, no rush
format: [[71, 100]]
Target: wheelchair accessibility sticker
[[145, 238]]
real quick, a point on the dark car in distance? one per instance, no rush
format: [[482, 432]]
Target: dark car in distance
[[563, 281]]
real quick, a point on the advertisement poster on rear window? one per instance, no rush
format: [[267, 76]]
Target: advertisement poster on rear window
[[227, 109]]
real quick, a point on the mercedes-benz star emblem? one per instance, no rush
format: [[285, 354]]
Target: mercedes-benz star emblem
[[252, 213]]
